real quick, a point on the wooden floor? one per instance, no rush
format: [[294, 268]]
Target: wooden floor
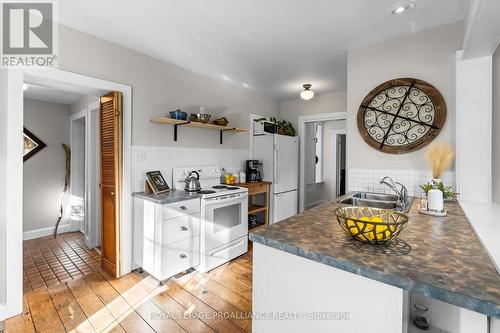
[[93, 301]]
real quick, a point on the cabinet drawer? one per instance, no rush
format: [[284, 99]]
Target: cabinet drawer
[[178, 257], [186, 207], [257, 189], [177, 229]]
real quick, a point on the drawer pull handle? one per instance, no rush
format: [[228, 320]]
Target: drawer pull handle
[[184, 228], [183, 207], [183, 256]]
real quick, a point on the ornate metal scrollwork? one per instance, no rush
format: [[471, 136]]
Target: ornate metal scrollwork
[[401, 115]]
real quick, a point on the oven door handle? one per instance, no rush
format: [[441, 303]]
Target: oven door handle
[[225, 198]]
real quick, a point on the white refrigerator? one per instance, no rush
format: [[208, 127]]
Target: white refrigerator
[[279, 155]]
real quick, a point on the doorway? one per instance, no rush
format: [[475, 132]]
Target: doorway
[[339, 173], [318, 179], [85, 175], [14, 234]]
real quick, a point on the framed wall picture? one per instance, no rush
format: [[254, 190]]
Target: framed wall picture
[[156, 182], [32, 144]]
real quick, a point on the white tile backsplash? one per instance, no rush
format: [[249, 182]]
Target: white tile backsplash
[[367, 180], [150, 158]]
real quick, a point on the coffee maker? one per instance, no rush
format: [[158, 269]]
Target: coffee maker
[[252, 169]]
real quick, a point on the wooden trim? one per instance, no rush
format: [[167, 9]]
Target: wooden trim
[[438, 123]]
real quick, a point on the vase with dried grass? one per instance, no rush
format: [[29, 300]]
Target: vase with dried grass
[[439, 157]]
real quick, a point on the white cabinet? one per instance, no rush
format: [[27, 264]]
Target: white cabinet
[[166, 237]]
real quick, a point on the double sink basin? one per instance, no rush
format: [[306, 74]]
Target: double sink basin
[[376, 200]]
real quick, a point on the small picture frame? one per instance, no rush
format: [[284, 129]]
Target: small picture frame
[[156, 182]]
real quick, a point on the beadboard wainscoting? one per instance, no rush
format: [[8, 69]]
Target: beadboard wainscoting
[[164, 159], [367, 180]]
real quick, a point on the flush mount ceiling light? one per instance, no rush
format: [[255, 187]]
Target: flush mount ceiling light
[[402, 7], [25, 86], [307, 93]]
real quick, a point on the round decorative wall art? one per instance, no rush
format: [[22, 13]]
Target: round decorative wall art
[[401, 115]]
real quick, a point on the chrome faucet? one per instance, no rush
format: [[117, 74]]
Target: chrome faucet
[[402, 192]]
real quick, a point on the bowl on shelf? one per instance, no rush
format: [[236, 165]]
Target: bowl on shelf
[[200, 117], [221, 121], [178, 114], [371, 225]]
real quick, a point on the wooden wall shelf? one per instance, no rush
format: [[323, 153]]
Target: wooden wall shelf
[[176, 123]]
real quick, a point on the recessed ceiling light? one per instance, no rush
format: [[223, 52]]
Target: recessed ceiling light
[[25, 86], [402, 7]]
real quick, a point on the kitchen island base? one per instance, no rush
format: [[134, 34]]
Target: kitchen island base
[[295, 294]]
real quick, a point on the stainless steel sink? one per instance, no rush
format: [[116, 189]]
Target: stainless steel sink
[[376, 196], [376, 200]]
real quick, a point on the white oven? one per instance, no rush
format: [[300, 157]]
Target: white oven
[[224, 219]]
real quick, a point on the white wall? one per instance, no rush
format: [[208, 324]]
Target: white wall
[[496, 126], [291, 110], [159, 87], [474, 129], [427, 55], [83, 103], [45, 171], [3, 185]]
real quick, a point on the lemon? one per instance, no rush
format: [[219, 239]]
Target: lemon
[[378, 231]]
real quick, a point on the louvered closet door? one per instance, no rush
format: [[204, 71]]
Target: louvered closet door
[[110, 121]]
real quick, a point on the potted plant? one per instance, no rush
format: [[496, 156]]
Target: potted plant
[[282, 127]]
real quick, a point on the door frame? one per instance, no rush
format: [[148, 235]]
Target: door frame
[[76, 146], [302, 129], [92, 194], [335, 181], [14, 212]]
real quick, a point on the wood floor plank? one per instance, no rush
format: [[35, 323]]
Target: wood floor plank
[[137, 290], [180, 314], [225, 278], [116, 304], [235, 315], [222, 291], [158, 319], [22, 323], [207, 314], [43, 312], [69, 310], [98, 315]]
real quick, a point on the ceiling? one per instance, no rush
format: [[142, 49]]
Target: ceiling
[[270, 45], [51, 95]]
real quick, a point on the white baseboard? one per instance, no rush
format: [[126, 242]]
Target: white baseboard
[[75, 225], [32, 234]]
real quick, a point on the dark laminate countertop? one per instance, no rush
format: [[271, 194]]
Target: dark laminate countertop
[[168, 197], [440, 257]]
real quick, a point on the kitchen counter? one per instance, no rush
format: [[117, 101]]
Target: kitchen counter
[[439, 257], [168, 197]]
